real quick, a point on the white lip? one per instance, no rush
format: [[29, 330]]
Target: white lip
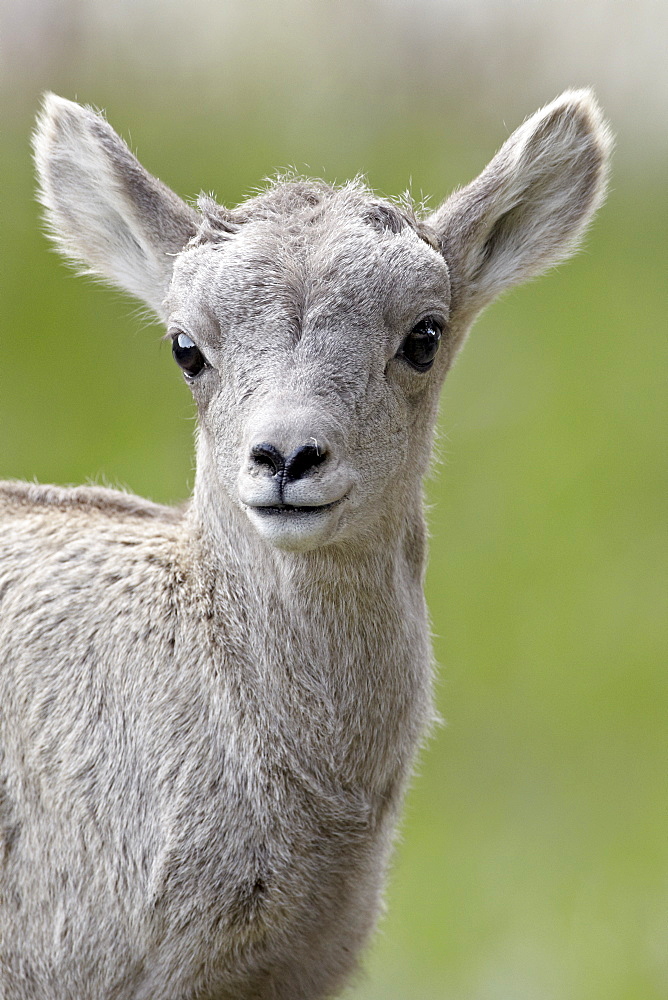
[[294, 527], [294, 510], [306, 496]]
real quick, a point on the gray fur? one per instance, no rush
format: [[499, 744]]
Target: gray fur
[[208, 715]]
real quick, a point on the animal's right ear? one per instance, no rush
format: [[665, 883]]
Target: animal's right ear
[[102, 208]]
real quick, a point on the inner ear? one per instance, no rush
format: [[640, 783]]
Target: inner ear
[[500, 239]]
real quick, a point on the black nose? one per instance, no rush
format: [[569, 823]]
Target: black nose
[[297, 465], [268, 456]]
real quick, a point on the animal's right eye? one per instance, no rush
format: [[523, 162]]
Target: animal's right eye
[[187, 355]]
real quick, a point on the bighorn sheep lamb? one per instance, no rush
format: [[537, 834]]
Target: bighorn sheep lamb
[[208, 715]]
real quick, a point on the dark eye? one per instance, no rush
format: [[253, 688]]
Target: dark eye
[[187, 355], [420, 346]]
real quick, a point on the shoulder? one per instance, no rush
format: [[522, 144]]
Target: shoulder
[[89, 545], [23, 498]]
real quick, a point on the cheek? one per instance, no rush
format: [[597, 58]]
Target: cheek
[[219, 420], [383, 436], [398, 431]]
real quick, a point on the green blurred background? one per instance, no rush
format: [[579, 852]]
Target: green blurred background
[[533, 857]]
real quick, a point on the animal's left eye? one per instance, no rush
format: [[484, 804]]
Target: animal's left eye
[[420, 346]]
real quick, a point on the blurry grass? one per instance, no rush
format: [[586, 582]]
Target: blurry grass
[[533, 862]]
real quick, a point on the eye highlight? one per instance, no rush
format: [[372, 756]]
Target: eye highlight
[[420, 346], [187, 355]]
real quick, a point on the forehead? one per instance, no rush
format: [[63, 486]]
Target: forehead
[[343, 256]]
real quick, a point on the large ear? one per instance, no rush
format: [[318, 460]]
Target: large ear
[[102, 208], [528, 209]]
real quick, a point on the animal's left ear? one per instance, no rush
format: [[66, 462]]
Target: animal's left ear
[[528, 209]]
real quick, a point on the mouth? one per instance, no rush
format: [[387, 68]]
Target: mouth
[[297, 527], [292, 510]]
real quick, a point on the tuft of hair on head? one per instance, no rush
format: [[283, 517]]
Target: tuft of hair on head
[[217, 223]]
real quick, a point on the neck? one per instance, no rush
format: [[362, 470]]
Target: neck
[[336, 636]]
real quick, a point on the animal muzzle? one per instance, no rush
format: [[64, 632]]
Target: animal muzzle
[[294, 463]]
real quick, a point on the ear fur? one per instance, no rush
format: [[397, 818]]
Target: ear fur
[[530, 206], [102, 208]]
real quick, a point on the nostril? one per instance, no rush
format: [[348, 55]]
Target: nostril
[[266, 455], [303, 459]]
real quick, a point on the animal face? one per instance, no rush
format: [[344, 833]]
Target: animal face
[[315, 347]]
